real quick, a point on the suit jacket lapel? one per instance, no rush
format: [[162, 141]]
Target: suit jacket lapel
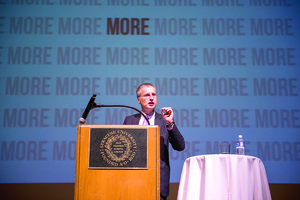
[[136, 119], [157, 119]]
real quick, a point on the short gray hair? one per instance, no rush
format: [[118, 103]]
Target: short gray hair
[[138, 90]]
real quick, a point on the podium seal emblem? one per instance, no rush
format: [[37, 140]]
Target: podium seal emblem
[[118, 148]]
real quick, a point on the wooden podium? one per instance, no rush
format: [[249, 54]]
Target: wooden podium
[[117, 162]]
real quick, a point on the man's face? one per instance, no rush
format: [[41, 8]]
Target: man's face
[[147, 99]]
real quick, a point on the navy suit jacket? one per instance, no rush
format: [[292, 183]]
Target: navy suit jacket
[[173, 137]]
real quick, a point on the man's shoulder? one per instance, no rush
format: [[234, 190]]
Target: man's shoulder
[[137, 115], [132, 119]]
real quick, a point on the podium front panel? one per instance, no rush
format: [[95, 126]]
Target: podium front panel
[[117, 162]]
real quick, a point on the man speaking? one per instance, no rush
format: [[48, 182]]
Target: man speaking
[[169, 133]]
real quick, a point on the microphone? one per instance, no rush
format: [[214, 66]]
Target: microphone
[[89, 107], [92, 105]]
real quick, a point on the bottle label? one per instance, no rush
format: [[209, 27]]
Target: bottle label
[[240, 144]]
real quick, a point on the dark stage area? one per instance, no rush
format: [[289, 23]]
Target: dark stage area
[[65, 191]]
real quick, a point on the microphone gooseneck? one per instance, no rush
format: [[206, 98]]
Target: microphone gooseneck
[[92, 105]]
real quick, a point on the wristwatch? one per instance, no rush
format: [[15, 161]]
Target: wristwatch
[[169, 124]]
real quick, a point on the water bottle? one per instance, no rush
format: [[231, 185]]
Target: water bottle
[[240, 146]]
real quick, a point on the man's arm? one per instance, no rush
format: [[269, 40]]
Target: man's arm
[[176, 139]]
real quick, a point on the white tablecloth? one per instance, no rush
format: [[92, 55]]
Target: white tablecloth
[[223, 177]]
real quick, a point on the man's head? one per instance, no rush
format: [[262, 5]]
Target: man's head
[[146, 96]]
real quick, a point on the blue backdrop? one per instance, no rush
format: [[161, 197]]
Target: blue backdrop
[[225, 67]]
